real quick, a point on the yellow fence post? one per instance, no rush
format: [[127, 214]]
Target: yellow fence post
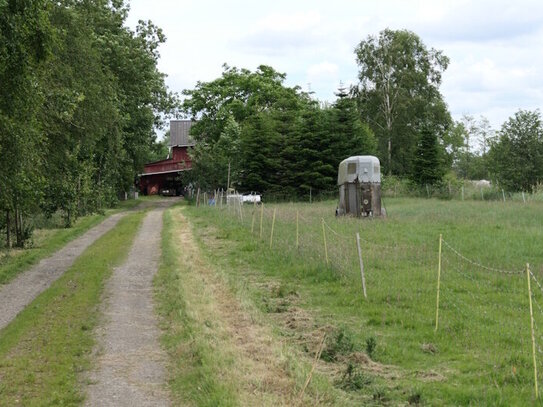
[[253, 222], [297, 232], [532, 329], [261, 218], [324, 238], [273, 225], [438, 281]]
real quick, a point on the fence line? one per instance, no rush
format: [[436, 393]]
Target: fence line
[[476, 264], [473, 281]]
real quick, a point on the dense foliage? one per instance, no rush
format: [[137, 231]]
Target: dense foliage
[[278, 139], [399, 95], [80, 100], [516, 156], [270, 137]]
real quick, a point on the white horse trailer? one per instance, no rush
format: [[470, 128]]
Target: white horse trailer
[[359, 181]]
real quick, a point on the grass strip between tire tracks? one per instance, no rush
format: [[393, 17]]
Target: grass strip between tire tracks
[[46, 348]]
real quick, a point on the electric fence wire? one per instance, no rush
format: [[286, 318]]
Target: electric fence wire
[[477, 264]]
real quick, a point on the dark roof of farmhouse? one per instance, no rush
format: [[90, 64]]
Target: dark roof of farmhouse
[[180, 133]]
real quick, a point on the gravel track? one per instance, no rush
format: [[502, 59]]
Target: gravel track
[[129, 369], [20, 292]]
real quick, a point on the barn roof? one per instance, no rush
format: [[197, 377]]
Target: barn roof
[[180, 133]]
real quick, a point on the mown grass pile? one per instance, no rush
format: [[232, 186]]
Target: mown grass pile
[[481, 351]]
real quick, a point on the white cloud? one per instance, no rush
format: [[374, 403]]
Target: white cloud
[[323, 69], [289, 22], [282, 34], [494, 46]]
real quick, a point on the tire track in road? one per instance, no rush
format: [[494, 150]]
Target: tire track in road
[[130, 365], [21, 291]]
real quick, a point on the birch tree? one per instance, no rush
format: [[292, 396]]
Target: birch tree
[[398, 91]]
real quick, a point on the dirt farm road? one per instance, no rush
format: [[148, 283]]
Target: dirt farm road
[[20, 292], [130, 365]]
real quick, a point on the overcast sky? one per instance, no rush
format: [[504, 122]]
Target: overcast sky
[[495, 47]]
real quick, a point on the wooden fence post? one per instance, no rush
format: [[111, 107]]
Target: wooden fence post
[[532, 329], [297, 232], [273, 225], [253, 222], [325, 247], [261, 218], [361, 264], [240, 203], [438, 281]]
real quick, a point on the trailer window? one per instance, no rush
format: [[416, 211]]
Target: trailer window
[[351, 168]]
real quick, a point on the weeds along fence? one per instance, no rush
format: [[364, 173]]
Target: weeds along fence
[[489, 310], [457, 190]]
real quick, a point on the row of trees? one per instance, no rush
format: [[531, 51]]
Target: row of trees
[[270, 137], [273, 138], [511, 157], [80, 100], [278, 139]]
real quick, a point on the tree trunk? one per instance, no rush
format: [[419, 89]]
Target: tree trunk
[[18, 235], [8, 227], [389, 155]]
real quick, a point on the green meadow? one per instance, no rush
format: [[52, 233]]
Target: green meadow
[[306, 262]]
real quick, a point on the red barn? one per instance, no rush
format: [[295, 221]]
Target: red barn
[[162, 177]]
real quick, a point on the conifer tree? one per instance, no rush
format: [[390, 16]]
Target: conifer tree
[[428, 169]]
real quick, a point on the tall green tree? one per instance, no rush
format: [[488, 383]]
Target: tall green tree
[[104, 102], [24, 46], [398, 91], [516, 157], [308, 166], [470, 140], [80, 101], [428, 168], [263, 108], [238, 93], [348, 134], [288, 144], [215, 161], [260, 145]]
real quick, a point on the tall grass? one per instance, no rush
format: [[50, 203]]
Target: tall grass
[[481, 352]]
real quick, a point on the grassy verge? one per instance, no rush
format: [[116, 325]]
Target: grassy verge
[[48, 345], [208, 368], [481, 353], [47, 241], [195, 360]]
